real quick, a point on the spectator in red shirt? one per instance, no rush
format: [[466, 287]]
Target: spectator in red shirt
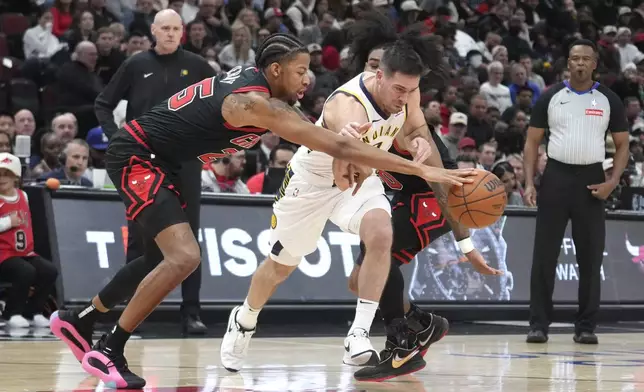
[[63, 13], [268, 181]]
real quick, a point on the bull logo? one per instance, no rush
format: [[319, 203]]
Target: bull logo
[[636, 251]]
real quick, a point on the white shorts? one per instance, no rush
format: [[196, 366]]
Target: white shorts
[[300, 214]]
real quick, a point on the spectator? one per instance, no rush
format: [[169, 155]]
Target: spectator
[[496, 94], [25, 122], [197, 38], [535, 78], [274, 22], [324, 79], [62, 12], [109, 58], [628, 53], [487, 155], [5, 143], [433, 117], [523, 103], [39, 41], [78, 85], [505, 172], [516, 45], [19, 263], [102, 17], [97, 142], [465, 162], [467, 148], [65, 127], [6, 124], [74, 160], [456, 132], [239, 51], [50, 148], [143, 17], [301, 14], [223, 175], [269, 180], [520, 79], [135, 43], [82, 30], [609, 55], [478, 127], [213, 14], [516, 161]]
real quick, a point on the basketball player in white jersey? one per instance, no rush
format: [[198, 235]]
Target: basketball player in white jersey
[[390, 101]]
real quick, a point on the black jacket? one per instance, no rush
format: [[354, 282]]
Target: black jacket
[[147, 79]]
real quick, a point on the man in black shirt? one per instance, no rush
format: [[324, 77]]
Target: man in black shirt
[[144, 80]]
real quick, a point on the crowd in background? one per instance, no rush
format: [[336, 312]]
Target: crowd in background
[[501, 56]]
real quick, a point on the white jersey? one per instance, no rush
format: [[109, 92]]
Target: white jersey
[[316, 167]]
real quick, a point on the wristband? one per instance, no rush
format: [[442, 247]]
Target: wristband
[[466, 245]]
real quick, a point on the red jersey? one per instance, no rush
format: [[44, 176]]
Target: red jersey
[[17, 241]]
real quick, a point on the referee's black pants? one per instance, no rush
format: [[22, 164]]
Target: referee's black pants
[[189, 182], [564, 196]]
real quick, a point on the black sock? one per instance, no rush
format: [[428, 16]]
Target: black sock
[[391, 301], [88, 316], [117, 339]]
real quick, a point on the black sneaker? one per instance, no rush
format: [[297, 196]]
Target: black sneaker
[[111, 367], [429, 328], [536, 336], [401, 356], [585, 338], [192, 325], [66, 326]]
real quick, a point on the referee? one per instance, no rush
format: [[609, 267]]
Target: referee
[[145, 80], [575, 116]]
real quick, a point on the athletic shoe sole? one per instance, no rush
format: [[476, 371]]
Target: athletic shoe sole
[[69, 335]]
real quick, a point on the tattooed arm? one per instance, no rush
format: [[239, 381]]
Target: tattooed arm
[[257, 110]]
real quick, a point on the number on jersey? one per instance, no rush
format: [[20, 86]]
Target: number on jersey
[[21, 240], [389, 180], [244, 141], [205, 89]]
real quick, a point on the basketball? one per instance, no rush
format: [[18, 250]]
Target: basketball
[[480, 203]]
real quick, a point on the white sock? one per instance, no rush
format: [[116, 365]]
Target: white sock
[[365, 312], [247, 316]]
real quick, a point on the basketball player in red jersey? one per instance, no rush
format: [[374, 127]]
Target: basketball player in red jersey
[[19, 263], [208, 120], [419, 216]]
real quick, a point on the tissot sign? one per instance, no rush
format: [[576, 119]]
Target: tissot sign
[[234, 239]]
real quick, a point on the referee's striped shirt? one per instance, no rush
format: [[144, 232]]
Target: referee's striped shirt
[[576, 122]]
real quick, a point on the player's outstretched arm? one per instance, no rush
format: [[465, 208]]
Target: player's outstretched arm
[[254, 109]]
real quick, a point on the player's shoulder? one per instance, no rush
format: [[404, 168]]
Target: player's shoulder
[[552, 92], [608, 93]]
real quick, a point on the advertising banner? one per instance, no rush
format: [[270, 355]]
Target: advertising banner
[[91, 241]]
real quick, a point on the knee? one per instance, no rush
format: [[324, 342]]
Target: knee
[[49, 272], [186, 257], [277, 272], [26, 275], [377, 234]]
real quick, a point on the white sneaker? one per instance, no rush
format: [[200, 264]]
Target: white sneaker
[[40, 321], [358, 350], [234, 345], [17, 321]]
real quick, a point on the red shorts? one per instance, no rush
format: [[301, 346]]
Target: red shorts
[[145, 185], [417, 221]]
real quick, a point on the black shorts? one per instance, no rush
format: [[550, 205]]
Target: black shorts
[[417, 221], [144, 182]]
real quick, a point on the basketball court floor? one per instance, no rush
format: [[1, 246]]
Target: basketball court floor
[[37, 362]]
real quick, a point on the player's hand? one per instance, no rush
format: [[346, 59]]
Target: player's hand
[[354, 129], [445, 176], [358, 173], [603, 190], [420, 148], [16, 220], [479, 264], [530, 196]]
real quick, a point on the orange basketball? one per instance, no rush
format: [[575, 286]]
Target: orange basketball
[[480, 203]]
